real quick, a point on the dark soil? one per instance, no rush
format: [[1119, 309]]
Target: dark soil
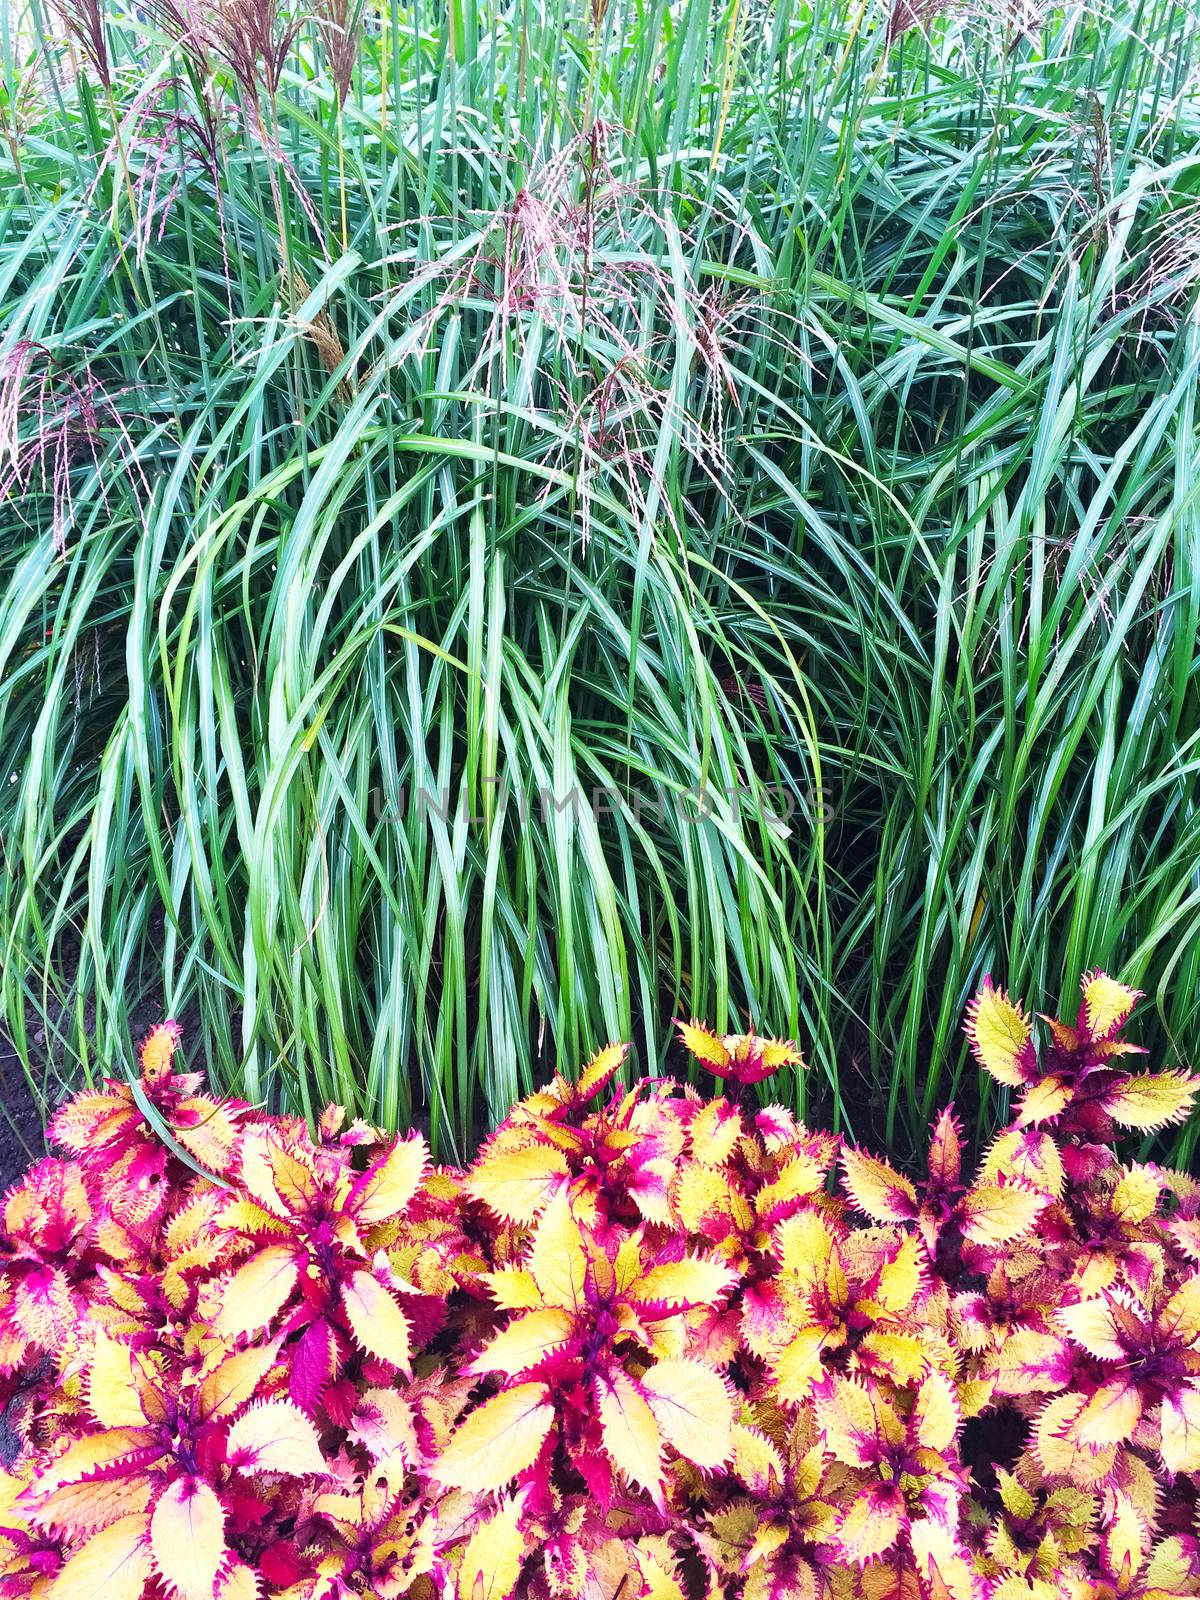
[[22, 1140]]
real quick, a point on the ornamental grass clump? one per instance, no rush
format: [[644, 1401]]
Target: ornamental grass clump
[[649, 1346], [518, 519]]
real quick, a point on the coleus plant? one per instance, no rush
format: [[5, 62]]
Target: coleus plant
[[649, 1346]]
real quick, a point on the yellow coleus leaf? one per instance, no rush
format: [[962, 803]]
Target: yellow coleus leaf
[[694, 1281], [85, 1122], [282, 1181], [1032, 1362], [114, 1564], [974, 1394], [1152, 1100], [630, 1432], [801, 1177], [1185, 1231], [1107, 1004], [1094, 1327], [238, 1583], [499, 1439], [945, 1571], [852, 1420], [756, 1461], [234, 1380], [383, 1423], [42, 1308], [898, 1357], [82, 1508], [1074, 1512], [704, 1198], [12, 1518], [194, 1224], [1044, 1100], [247, 1216], [557, 1258], [870, 1526], [944, 1161], [1014, 1496], [714, 1132], [128, 1296], [1170, 1568], [91, 1454], [797, 1368], [376, 1321], [1058, 1449], [1180, 1423], [1179, 1319], [806, 1250], [657, 1567], [1017, 1587], [1000, 1036], [1136, 1194], [1027, 1155], [276, 1437], [512, 1288], [517, 1183], [876, 1189], [993, 1213], [778, 1053], [935, 1416], [491, 1562], [900, 1279], [600, 1070], [610, 1568], [187, 1535], [769, 1536], [526, 1342], [385, 1188], [211, 1135], [1126, 1539], [113, 1388], [728, 1533], [158, 1051], [703, 1043], [693, 1408], [256, 1292], [179, 1273], [1108, 1417]]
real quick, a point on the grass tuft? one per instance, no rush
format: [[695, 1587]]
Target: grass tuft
[[519, 523]]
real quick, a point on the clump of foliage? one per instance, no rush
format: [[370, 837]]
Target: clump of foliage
[[516, 520], [650, 1346]]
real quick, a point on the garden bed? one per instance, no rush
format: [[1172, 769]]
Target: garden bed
[[648, 1346]]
